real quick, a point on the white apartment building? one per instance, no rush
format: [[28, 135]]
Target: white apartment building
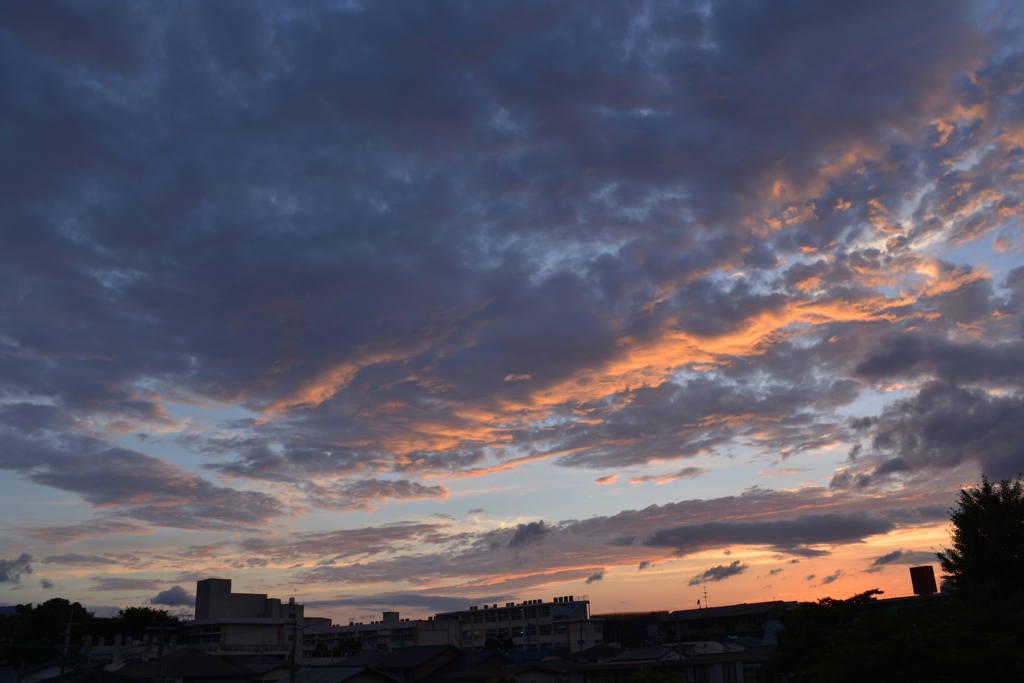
[[562, 623]]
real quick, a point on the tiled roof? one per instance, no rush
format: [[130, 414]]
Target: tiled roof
[[465, 661], [528, 656], [368, 658], [639, 654], [416, 656], [187, 663], [92, 674], [261, 664], [329, 674], [596, 652]]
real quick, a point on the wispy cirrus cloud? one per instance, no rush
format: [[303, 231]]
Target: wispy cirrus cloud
[[685, 473]]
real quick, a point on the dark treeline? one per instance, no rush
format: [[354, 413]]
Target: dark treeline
[[976, 633], [36, 634]]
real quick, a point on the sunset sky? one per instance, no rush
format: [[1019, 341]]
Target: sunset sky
[[418, 305]]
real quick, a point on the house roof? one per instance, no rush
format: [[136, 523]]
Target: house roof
[[336, 674], [725, 611], [747, 641], [640, 654], [92, 674], [416, 656], [368, 658], [467, 660], [528, 655], [596, 652], [261, 664], [187, 663]]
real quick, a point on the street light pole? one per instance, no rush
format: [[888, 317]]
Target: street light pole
[[67, 638], [160, 649], [295, 644]]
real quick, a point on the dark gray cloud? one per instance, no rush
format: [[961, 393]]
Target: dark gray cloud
[[11, 571], [46, 584], [834, 576], [964, 362], [106, 583], [914, 557], [922, 514], [364, 493], [349, 542], [941, 427], [175, 596], [532, 532], [719, 573], [434, 241], [482, 560], [685, 473], [364, 222], [787, 535], [596, 576], [142, 487]]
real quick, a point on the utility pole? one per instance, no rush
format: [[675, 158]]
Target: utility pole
[[295, 644], [160, 649], [67, 638]]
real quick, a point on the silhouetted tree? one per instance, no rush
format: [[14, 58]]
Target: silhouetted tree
[[33, 635], [813, 632], [978, 634], [503, 643], [132, 622], [987, 537]]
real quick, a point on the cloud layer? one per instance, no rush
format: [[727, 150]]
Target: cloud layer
[[262, 264]]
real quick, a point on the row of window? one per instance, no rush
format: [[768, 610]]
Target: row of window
[[516, 631], [352, 634], [518, 614]]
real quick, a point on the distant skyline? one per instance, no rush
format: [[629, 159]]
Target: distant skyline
[[412, 306]]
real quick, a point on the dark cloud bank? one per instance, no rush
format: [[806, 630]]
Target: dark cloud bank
[[370, 226]]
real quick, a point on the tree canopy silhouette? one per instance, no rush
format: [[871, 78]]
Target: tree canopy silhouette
[[987, 537], [976, 634]]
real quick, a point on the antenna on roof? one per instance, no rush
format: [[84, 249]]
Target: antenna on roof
[[705, 595]]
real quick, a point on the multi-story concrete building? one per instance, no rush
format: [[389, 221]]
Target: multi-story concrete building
[[242, 624], [390, 633], [720, 623], [562, 623]]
